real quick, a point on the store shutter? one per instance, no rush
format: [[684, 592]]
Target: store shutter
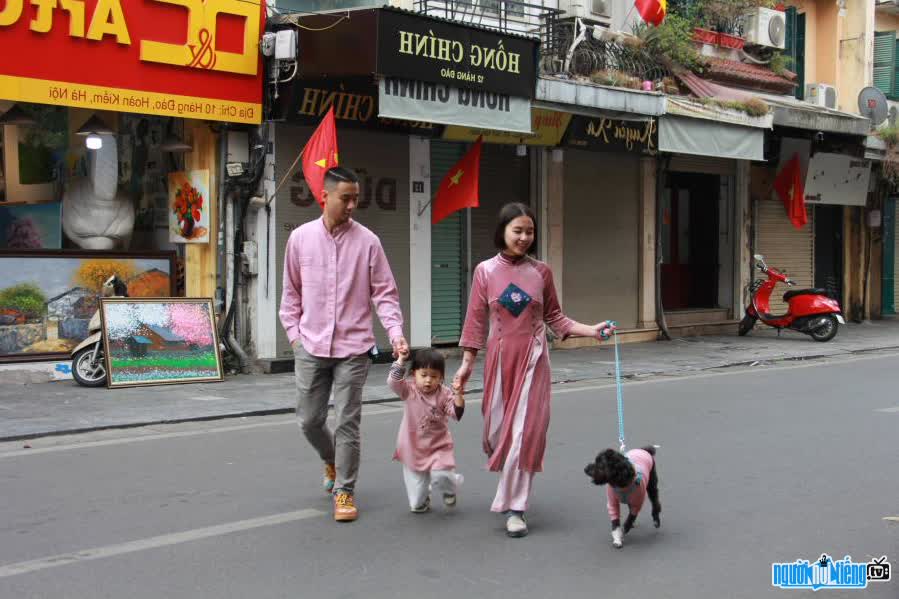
[[890, 241], [786, 248], [686, 163], [504, 178], [447, 254]]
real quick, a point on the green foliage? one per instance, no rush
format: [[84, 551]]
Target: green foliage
[[672, 40], [889, 135], [27, 298], [780, 63], [753, 107]]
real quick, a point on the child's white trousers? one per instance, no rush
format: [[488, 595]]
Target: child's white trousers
[[420, 484]]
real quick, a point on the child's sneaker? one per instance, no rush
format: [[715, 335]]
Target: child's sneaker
[[449, 500], [423, 507], [328, 480]]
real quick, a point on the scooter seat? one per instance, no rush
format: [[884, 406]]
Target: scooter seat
[[791, 294]]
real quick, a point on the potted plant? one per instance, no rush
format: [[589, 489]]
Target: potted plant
[[705, 36], [726, 40], [188, 208]]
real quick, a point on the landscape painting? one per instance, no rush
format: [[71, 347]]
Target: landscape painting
[[48, 298], [159, 341]]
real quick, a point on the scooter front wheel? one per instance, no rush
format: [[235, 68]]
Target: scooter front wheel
[[827, 330], [87, 372], [746, 325]]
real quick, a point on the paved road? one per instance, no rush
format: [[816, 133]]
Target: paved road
[[769, 464]]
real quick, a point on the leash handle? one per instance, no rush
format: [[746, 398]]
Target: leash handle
[[618, 392]]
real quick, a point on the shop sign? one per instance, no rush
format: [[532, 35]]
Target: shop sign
[[447, 105], [426, 49], [548, 128], [613, 135], [182, 58], [837, 179], [355, 103]]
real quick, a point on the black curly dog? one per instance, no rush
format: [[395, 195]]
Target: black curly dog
[[614, 468]]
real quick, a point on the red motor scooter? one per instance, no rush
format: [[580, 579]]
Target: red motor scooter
[[811, 311]]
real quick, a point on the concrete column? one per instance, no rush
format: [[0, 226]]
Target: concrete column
[[743, 239], [265, 295], [419, 316], [554, 202], [646, 285]]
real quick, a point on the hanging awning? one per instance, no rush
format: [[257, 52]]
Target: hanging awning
[[787, 111], [705, 137]]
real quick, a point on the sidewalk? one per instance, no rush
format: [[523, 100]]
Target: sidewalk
[[30, 410]]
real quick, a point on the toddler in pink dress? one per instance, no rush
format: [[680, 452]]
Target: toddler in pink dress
[[424, 445]]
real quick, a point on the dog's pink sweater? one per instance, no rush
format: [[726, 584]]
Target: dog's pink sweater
[[635, 493]]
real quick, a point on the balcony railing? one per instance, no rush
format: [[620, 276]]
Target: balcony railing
[[506, 16]]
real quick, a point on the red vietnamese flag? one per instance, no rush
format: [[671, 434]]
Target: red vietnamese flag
[[652, 11], [791, 190], [459, 188], [320, 155]]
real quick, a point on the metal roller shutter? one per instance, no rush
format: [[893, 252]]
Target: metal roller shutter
[[789, 250], [447, 254], [504, 179], [895, 254], [684, 163]]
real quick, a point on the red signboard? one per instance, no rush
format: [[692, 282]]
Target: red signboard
[[187, 58]]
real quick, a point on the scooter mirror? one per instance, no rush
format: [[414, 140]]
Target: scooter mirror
[[759, 257]]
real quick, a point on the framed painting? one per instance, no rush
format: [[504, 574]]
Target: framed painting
[[189, 207], [160, 341], [47, 298]]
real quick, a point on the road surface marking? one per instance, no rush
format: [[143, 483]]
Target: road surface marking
[[154, 542], [889, 410]]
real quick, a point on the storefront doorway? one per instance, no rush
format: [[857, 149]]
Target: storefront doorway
[[829, 250], [689, 241]]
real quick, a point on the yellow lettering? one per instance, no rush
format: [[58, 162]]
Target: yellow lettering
[[310, 98], [43, 20], [200, 50], [75, 8], [11, 12], [109, 20]]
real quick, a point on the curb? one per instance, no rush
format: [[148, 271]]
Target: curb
[[278, 411]]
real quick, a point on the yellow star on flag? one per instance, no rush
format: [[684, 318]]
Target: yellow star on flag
[[323, 163], [454, 180]]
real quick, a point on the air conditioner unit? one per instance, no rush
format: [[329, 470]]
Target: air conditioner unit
[[765, 27], [821, 94], [588, 10]]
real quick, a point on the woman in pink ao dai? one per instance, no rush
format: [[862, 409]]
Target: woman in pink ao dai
[[513, 299]]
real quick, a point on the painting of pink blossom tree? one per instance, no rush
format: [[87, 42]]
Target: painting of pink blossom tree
[[160, 341]]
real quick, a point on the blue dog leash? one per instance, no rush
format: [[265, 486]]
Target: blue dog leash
[[618, 388], [618, 392]]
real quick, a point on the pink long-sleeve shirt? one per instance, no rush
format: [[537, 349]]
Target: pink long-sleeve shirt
[[330, 283], [635, 494]]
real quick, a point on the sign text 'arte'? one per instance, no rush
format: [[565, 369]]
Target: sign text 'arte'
[[184, 58]]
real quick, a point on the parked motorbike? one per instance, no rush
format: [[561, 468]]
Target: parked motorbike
[[810, 311], [88, 360]]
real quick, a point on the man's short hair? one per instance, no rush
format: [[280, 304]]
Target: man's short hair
[[339, 174]]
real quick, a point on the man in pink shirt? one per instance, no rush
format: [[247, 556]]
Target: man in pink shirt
[[334, 269]]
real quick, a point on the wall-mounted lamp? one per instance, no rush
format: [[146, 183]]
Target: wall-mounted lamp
[[175, 145], [17, 116], [92, 130]]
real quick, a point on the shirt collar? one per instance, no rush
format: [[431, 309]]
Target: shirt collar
[[338, 230]]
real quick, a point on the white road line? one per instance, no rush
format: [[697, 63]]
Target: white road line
[[379, 409], [154, 542], [892, 410]]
